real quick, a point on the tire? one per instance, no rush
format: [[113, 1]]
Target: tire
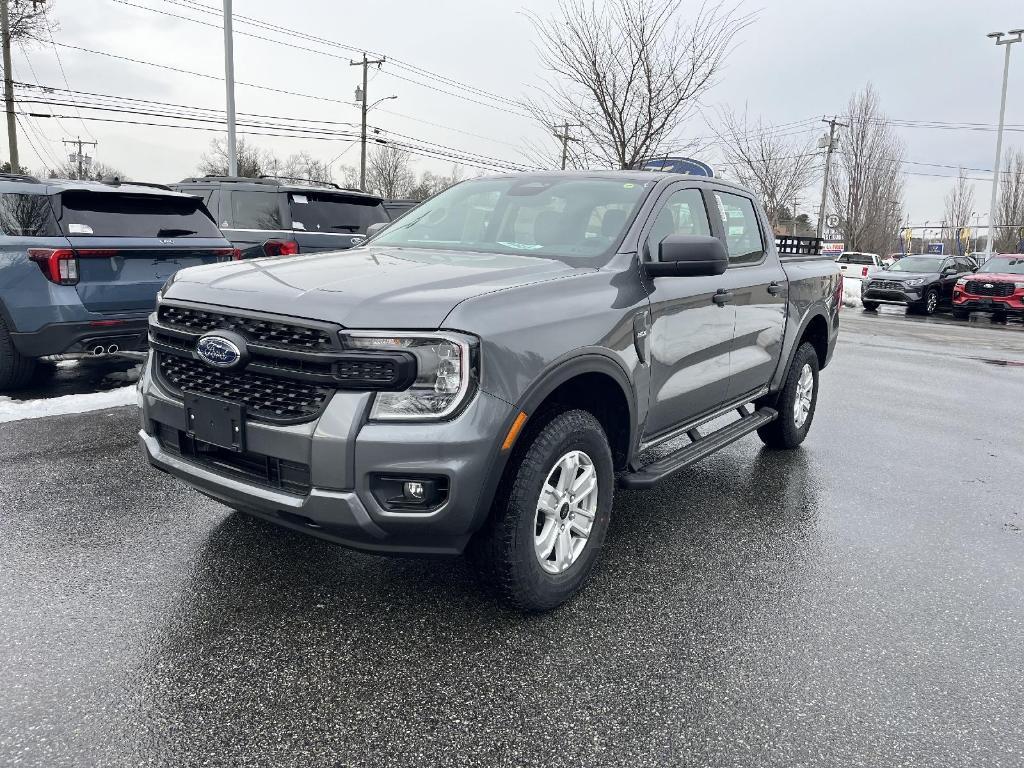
[[505, 550], [931, 302], [870, 306], [789, 430], [16, 370], [961, 314]]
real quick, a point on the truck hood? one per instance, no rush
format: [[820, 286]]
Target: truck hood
[[382, 287], [996, 277], [903, 276]]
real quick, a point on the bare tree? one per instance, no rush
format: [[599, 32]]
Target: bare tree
[[389, 172], [627, 74], [431, 183], [775, 166], [867, 187], [1010, 209], [31, 21], [252, 161], [959, 205], [349, 176], [95, 172], [305, 166]]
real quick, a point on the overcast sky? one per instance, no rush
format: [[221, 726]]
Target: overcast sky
[[928, 59]]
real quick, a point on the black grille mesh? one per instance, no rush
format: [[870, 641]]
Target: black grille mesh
[[977, 288], [265, 397], [270, 333], [382, 371], [887, 285]]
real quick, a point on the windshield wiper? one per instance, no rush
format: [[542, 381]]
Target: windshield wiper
[[175, 232], [346, 227]]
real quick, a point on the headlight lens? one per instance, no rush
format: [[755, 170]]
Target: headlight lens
[[962, 281], [917, 281], [1019, 286], [446, 374], [165, 286]]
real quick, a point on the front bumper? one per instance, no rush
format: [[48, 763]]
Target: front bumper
[[129, 334], [910, 295], [342, 452], [1009, 305]]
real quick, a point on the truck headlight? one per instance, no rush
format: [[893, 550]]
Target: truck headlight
[[446, 373], [163, 288], [1019, 286], [961, 282], [916, 281]]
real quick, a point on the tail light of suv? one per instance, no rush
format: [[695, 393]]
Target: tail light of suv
[[280, 248], [59, 265]]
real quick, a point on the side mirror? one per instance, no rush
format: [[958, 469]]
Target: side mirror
[[373, 229], [689, 256], [949, 271]]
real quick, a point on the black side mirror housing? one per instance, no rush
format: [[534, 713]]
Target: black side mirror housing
[[373, 229], [949, 271], [689, 256]]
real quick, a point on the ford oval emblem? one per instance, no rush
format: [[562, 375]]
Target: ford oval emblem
[[218, 352], [356, 239]]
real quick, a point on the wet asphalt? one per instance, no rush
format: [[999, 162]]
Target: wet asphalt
[[858, 602]]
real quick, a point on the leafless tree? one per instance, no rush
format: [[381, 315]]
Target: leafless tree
[[252, 160], [305, 166], [95, 171], [430, 183], [1010, 209], [349, 176], [775, 166], [31, 21], [389, 172], [959, 206], [627, 74], [866, 187]]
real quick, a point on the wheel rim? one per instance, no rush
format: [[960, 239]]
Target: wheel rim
[[804, 394], [933, 302], [565, 512]]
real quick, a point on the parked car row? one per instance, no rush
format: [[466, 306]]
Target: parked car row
[[81, 261]]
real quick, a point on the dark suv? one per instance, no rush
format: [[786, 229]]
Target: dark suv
[[269, 216], [922, 283], [81, 263]]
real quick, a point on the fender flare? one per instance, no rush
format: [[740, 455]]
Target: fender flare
[[817, 310], [568, 366]]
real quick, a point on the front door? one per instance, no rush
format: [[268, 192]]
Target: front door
[[759, 287], [691, 335]]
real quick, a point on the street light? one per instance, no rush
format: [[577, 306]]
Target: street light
[[361, 98], [1008, 42]]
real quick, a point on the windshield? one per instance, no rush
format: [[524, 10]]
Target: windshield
[[572, 218], [916, 264], [108, 214], [1013, 265], [338, 214]]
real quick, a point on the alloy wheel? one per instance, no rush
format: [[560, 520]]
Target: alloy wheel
[[565, 512], [804, 393]]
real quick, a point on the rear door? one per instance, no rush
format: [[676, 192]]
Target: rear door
[[758, 288], [129, 243], [324, 221]]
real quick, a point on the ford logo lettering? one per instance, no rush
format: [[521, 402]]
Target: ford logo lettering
[[218, 352]]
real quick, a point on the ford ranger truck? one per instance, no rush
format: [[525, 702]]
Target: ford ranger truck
[[482, 374]]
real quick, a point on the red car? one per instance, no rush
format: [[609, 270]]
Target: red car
[[997, 287]]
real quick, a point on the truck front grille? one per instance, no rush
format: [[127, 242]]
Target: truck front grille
[[255, 330], [982, 288], [887, 285], [265, 397]]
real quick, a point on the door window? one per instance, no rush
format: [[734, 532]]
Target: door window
[[683, 214], [255, 210], [742, 232]]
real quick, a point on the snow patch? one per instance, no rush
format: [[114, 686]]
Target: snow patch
[[17, 410], [851, 293]]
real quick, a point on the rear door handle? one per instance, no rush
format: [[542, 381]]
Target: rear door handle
[[774, 288], [722, 297]]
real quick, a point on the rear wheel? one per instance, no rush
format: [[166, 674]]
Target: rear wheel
[[16, 370], [870, 306], [796, 402], [549, 521]]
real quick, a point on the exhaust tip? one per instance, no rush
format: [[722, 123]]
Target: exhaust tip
[[112, 349], [99, 350]]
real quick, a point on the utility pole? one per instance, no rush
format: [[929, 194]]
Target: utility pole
[[565, 138], [229, 83], [83, 160], [362, 96], [996, 169], [828, 167], [12, 124]]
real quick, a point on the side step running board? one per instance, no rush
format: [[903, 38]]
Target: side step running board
[[702, 446]]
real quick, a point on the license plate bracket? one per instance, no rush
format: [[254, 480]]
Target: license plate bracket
[[216, 421]]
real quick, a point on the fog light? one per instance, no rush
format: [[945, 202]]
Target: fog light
[[414, 491]]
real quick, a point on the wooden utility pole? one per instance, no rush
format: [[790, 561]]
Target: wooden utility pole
[[565, 139], [365, 63], [828, 167], [79, 157], [12, 124]]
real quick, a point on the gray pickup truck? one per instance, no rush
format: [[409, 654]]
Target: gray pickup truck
[[481, 374]]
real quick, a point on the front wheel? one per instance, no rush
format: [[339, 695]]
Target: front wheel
[[931, 302], [548, 523], [796, 402]]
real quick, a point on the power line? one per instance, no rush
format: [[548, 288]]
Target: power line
[[63, 74]]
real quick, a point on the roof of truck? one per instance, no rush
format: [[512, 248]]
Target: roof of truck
[[30, 185], [624, 174]]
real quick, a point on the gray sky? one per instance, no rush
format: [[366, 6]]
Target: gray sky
[[928, 59]]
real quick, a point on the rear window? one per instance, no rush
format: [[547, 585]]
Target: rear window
[[255, 210], [319, 212], [106, 214], [27, 216], [856, 258]]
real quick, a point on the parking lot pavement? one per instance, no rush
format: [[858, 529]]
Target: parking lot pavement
[[855, 602]]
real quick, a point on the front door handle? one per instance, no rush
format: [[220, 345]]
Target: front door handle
[[722, 297], [774, 288]]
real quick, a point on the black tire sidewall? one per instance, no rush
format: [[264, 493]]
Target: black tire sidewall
[[924, 304], [568, 431], [783, 432]]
